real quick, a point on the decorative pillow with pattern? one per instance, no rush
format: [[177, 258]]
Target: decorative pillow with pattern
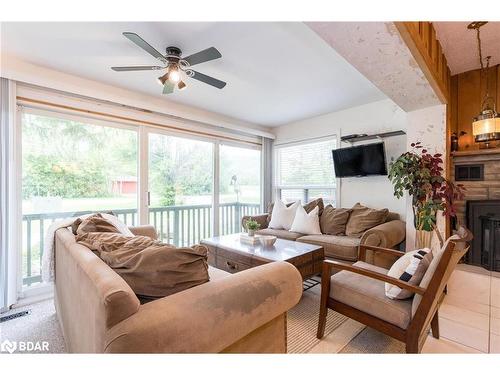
[[411, 268]]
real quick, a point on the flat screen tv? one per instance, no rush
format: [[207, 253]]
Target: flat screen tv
[[364, 160]]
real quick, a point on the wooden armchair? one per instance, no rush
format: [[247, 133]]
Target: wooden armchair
[[358, 292]]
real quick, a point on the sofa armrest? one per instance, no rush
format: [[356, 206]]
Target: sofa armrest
[[144, 230], [210, 317], [388, 235], [260, 218]]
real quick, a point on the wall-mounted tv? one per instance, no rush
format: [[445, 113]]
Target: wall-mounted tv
[[364, 160]]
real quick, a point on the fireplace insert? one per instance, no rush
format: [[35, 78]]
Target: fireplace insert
[[483, 219]]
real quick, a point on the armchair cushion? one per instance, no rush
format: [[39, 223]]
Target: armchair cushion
[[368, 295]]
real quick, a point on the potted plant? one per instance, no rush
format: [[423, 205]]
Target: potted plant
[[252, 226], [419, 173]]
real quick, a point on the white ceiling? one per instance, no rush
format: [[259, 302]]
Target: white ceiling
[[276, 72], [460, 44]]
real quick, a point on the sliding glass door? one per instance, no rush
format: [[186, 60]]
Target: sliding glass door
[[70, 168], [180, 188], [239, 186], [189, 188]]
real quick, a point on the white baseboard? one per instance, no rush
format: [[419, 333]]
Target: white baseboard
[[34, 295]]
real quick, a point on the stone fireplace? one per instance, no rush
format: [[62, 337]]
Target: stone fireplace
[[479, 172]]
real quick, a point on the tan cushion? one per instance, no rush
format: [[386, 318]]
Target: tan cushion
[[368, 295], [340, 247], [78, 221], [312, 204], [363, 218], [333, 220], [95, 223], [280, 233]]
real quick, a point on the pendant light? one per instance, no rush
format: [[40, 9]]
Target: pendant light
[[486, 125]]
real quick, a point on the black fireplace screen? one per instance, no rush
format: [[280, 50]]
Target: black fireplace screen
[[483, 219]]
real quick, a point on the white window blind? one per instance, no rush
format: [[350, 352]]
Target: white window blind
[[305, 171]]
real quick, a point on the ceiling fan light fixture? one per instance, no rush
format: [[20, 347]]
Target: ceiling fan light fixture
[[174, 75], [163, 79], [178, 68]]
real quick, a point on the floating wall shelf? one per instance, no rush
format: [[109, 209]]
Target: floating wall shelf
[[353, 138]]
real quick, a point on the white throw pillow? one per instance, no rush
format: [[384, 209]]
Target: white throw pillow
[[306, 223], [282, 216], [411, 268], [121, 226]]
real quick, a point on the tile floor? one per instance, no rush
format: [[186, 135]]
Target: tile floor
[[469, 317]]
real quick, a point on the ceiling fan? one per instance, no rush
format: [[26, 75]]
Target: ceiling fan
[[177, 68]]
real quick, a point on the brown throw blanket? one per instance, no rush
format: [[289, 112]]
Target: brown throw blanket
[[152, 268]]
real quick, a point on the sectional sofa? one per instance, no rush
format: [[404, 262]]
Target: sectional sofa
[[389, 234], [241, 313]]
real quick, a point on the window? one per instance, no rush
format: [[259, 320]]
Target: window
[[181, 188], [304, 171], [239, 186], [70, 168]]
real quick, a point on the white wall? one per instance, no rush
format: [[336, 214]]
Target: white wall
[[427, 125], [381, 116]]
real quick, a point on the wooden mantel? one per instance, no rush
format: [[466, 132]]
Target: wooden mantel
[[477, 152]]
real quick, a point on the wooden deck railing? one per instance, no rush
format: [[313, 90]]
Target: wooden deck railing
[[178, 225]]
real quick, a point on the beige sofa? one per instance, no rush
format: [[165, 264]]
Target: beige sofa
[[344, 248], [98, 312]]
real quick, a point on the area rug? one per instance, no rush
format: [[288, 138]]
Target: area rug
[[302, 322], [370, 341]]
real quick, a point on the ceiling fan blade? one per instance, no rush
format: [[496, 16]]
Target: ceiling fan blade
[[208, 80], [134, 68], [168, 87], [206, 55], [144, 45]]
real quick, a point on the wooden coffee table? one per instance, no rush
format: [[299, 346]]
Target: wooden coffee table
[[229, 254]]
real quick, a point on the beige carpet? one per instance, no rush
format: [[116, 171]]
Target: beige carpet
[[374, 342], [39, 326], [42, 325], [302, 322]]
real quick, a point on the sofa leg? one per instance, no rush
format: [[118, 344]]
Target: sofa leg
[[435, 325]]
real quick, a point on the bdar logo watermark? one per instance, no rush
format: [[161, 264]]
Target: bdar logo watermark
[[8, 346]]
